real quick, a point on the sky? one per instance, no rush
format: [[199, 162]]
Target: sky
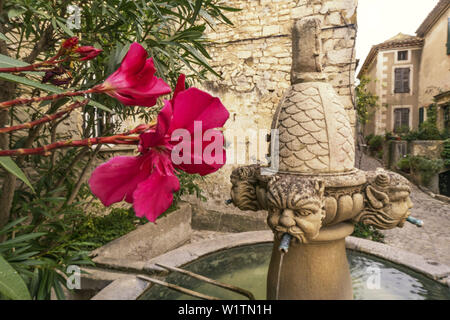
[[379, 20]]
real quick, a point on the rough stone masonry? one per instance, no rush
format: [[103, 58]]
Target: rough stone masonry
[[254, 58]]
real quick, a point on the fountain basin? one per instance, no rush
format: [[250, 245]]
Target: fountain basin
[[372, 278], [417, 273]]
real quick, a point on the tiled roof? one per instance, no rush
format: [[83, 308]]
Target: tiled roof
[[432, 17]]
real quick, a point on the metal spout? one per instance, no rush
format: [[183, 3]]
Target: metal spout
[[417, 222], [285, 242]]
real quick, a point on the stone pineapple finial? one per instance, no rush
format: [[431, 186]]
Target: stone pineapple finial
[[306, 51]]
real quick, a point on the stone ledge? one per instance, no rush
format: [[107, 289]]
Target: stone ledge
[[147, 241], [227, 222], [413, 261], [129, 288]]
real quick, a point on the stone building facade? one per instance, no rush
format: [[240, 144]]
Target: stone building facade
[[426, 60], [397, 100], [254, 58]]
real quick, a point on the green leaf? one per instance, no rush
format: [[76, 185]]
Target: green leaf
[[12, 167], [8, 62], [64, 27], [3, 37], [16, 12], [47, 87], [11, 284]]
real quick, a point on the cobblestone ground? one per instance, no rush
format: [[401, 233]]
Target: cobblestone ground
[[432, 241]]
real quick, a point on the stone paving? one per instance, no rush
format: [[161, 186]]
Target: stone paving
[[432, 241]]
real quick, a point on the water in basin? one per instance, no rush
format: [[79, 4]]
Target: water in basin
[[247, 268]]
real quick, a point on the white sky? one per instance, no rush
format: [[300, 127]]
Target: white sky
[[379, 20]]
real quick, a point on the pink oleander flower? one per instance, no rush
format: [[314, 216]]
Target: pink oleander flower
[[148, 181], [70, 43], [134, 83], [87, 52]]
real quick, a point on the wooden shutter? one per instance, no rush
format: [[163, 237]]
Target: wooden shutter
[[398, 80], [421, 115], [448, 36], [405, 79], [405, 117], [402, 76]]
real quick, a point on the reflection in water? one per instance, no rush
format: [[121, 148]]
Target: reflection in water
[[247, 267]]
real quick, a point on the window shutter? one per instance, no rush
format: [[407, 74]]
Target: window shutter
[[402, 76], [406, 72], [405, 118], [421, 115], [397, 118], [398, 81], [448, 36]]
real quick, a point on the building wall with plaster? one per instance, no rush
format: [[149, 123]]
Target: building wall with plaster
[[435, 68]]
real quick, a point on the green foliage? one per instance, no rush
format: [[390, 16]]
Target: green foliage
[[9, 164], [368, 137], [402, 129], [188, 186], [389, 136], [410, 136], [375, 143], [404, 164], [429, 131], [39, 244], [367, 232], [96, 231], [12, 285], [366, 102], [426, 167], [446, 153], [40, 253]]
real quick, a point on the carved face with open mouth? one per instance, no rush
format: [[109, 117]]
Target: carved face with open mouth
[[388, 200], [295, 207]]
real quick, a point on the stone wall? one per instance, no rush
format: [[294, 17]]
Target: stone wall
[[254, 58]]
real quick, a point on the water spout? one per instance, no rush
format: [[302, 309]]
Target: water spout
[[417, 222], [285, 242]]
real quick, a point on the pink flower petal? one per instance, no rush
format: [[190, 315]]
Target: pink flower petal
[[135, 83], [205, 166], [154, 195], [156, 137], [134, 60], [117, 179], [180, 87], [196, 105]]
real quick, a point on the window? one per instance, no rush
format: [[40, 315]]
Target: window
[[402, 80], [402, 55], [446, 110], [421, 115], [401, 120]]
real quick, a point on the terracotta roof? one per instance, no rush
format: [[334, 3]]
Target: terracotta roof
[[399, 41], [433, 17]]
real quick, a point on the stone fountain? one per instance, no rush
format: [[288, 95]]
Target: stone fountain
[[316, 194]]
